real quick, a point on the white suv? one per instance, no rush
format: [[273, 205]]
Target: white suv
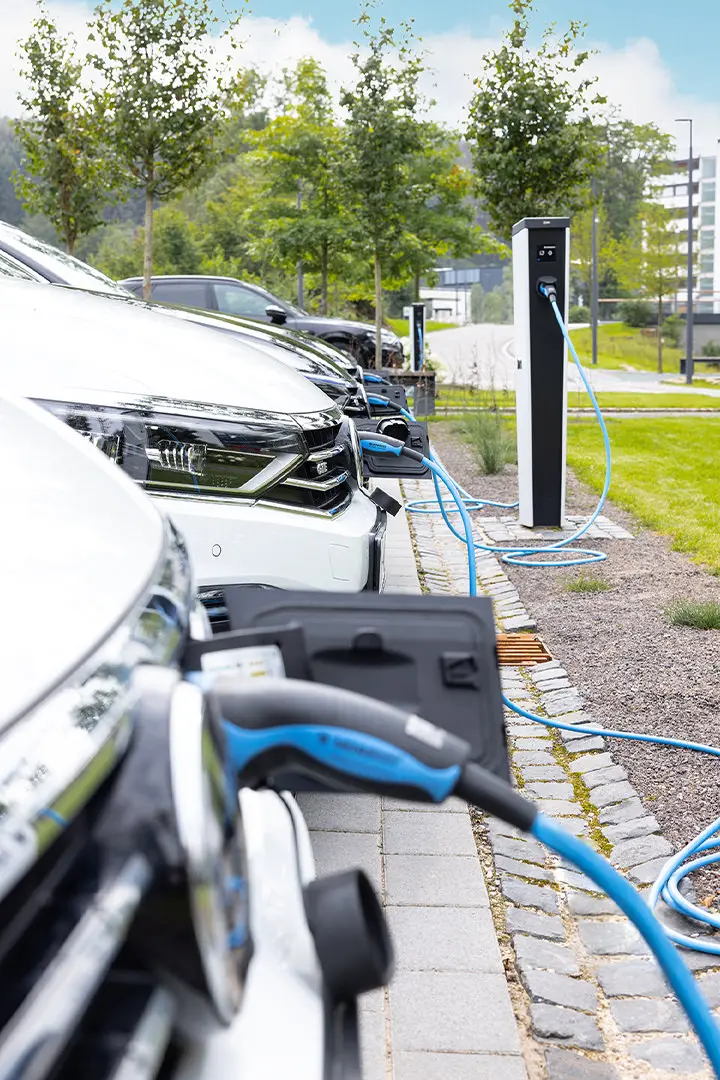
[[256, 466]]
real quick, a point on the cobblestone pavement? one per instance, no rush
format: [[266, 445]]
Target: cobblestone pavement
[[593, 1004]]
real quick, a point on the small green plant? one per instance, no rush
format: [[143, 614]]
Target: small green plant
[[700, 614], [490, 440], [586, 583], [711, 348], [673, 329], [579, 314]]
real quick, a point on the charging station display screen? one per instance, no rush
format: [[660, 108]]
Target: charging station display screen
[[546, 253]]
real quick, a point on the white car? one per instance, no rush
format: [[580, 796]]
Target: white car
[[151, 926], [257, 467]]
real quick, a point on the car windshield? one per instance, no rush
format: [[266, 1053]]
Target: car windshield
[[9, 267], [66, 267]]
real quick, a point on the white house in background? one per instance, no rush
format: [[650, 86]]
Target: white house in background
[[706, 224], [447, 305]]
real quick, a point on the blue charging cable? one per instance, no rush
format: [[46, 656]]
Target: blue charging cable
[[553, 555], [704, 850]]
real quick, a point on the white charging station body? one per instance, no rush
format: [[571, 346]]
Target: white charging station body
[[541, 249]]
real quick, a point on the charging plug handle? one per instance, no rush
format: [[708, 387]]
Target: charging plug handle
[[547, 287]]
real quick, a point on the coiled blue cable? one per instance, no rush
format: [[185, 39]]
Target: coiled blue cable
[[631, 903], [524, 556]]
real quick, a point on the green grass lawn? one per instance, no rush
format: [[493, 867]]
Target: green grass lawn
[[459, 397], [665, 472], [402, 326], [621, 347]]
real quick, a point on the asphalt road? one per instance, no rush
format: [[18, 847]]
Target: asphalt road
[[482, 355]]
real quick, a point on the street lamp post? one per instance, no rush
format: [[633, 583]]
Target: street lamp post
[[594, 304], [690, 267]]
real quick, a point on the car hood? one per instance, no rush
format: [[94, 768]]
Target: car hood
[[72, 574], [65, 343], [325, 325], [289, 348]]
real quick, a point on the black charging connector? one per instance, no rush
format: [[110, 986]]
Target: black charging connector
[[547, 287]]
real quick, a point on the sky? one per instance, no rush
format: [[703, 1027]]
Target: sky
[[649, 64]]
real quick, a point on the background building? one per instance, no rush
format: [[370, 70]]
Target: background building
[[674, 195]]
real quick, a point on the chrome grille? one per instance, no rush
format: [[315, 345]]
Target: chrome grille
[[322, 483]]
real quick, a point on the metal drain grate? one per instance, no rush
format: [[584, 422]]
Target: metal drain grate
[[517, 649]]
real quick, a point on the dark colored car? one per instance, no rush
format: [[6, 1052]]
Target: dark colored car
[[332, 370], [233, 297]]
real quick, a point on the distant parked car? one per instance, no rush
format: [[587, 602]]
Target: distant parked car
[[233, 297], [330, 369]]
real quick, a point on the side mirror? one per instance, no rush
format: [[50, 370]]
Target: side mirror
[[276, 314]]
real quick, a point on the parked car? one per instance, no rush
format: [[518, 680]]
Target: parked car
[[232, 297], [331, 369], [256, 466], [143, 932]]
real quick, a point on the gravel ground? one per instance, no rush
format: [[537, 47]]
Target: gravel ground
[[635, 670]]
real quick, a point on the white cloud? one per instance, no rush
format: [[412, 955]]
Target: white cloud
[[633, 77]]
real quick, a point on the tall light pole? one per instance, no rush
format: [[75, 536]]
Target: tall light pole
[[300, 276], [690, 262], [594, 287]]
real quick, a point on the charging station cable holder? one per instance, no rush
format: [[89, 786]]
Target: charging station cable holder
[[413, 433], [541, 254], [417, 337]]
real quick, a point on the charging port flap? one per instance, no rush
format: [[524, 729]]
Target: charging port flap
[[429, 655]]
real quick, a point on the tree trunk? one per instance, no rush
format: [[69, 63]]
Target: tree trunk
[[378, 312], [324, 279], [659, 336], [416, 287], [147, 256], [70, 243]]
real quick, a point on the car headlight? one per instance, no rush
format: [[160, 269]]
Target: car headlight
[[238, 457]]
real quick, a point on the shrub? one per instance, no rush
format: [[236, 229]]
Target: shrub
[[636, 313], [493, 446], [579, 314], [700, 614], [586, 583], [673, 329], [711, 348]]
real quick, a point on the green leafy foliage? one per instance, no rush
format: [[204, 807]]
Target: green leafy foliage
[[636, 313], [300, 156], [381, 140], [530, 127], [164, 94], [490, 440], [648, 260], [66, 175]]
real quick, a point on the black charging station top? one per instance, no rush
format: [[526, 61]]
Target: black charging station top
[[430, 655]]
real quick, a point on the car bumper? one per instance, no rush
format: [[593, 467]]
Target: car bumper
[[261, 545]]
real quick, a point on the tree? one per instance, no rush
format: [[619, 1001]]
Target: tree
[[530, 126], [164, 94], [382, 110], [581, 253], [477, 303], [648, 261], [66, 175], [300, 154], [439, 217], [633, 155]]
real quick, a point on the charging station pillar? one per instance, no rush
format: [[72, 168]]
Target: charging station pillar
[[417, 337], [541, 250]]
